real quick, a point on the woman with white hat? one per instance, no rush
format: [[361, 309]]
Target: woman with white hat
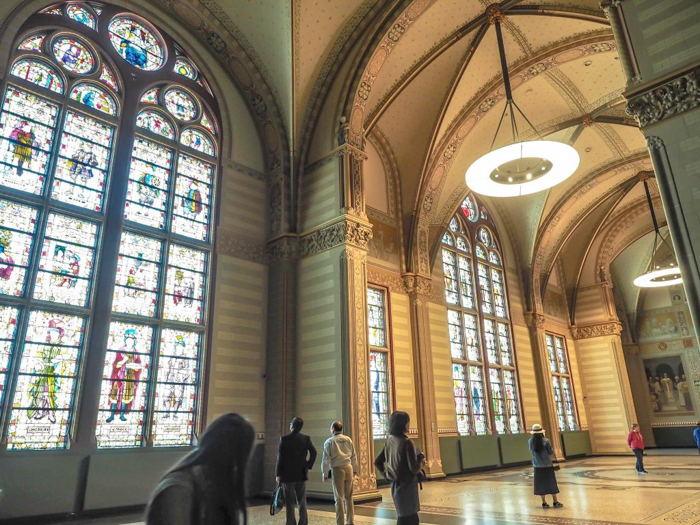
[[545, 479]]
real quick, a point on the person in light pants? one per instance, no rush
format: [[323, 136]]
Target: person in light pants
[[340, 461]]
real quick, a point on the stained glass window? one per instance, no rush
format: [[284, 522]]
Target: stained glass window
[[379, 388], [94, 97], [485, 236], [454, 225], [485, 287], [376, 318], [469, 209], [184, 67], [38, 73], [180, 104], [561, 382], [54, 11], [462, 245], [73, 55], [449, 267], [207, 123], [65, 267], [447, 239], [17, 229], [8, 331], [150, 96], [108, 78], [176, 388], [156, 123], [32, 43], [184, 284], [454, 323], [197, 140], [138, 271], [461, 391], [83, 160], [494, 258], [124, 391], [43, 395], [149, 180], [471, 337], [192, 205], [27, 125], [136, 44], [82, 15]]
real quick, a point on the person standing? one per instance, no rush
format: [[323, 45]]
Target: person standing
[[545, 478], [296, 456], [696, 436], [635, 440], [339, 459], [400, 464]]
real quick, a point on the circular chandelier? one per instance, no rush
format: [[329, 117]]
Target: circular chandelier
[[522, 167], [666, 275]]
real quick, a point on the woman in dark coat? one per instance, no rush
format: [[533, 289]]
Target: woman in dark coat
[[400, 464], [207, 487], [545, 479]]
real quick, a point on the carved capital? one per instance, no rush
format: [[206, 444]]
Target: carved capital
[[283, 248], [346, 231], [655, 143], [391, 281], [607, 4], [676, 96], [534, 320], [418, 284], [596, 330], [228, 243], [494, 14]]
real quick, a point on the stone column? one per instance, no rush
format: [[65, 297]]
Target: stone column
[[543, 376], [418, 288]]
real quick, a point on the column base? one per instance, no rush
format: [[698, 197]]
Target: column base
[[364, 497], [435, 475]]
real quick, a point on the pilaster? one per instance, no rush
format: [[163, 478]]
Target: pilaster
[[419, 289]]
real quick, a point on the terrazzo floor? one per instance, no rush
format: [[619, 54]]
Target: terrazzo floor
[[595, 491]]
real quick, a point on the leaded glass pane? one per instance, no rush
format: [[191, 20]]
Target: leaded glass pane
[[480, 252], [55, 11], [184, 284], [569, 404], [192, 202], [38, 73], [455, 329], [461, 392], [27, 127], [504, 344], [65, 267], [490, 338], [550, 352], [155, 123], [207, 122], [108, 78], [149, 180], [197, 140], [150, 96], [559, 402], [81, 15], [124, 391], [184, 67], [494, 258], [447, 239], [449, 268], [466, 282], [379, 381], [497, 400], [471, 337], [9, 317], [138, 269], [485, 285], [45, 387], [180, 104], [136, 44], [17, 229], [462, 244], [33, 43], [499, 293], [485, 237], [469, 209], [479, 402], [94, 97], [73, 55], [83, 161], [176, 388], [454, 225], [561, 355], [511, 399], [376, 318]]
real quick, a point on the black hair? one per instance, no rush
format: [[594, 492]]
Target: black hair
[[297, 424], [337, 426], [537, 442], [397, 423]]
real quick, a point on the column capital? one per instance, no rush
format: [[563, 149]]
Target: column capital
[[607, 4], [535, 320], [596, 330], [417, 284], [285, 247], [347, 229], [654, 142]]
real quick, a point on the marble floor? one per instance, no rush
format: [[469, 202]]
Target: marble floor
[[595, 491]]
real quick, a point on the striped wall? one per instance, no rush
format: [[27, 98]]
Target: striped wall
[[319, 366], [590, 308], [605, 387], [403, 354], [442, 367], [242, 205], [320, 194]]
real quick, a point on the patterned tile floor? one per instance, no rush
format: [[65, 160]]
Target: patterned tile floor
[[595, 491]]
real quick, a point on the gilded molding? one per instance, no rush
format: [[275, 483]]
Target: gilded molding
[[596, 330], [418, 284], [346, 231], [676, 96]]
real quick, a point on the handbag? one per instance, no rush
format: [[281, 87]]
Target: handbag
[[277, 501]]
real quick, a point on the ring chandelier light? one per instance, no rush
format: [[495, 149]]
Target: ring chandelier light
[[523, 167], [658, 276]]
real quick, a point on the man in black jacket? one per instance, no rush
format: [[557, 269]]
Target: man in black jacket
[[292, 469]]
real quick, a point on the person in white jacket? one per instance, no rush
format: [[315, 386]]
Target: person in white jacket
[[339, 463]]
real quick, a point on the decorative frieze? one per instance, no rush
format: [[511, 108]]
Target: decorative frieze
[[596, 330], [283, 248], [418, 284], [391, 281], [535, 320], [676, 96], [348, 230], [228, 243]]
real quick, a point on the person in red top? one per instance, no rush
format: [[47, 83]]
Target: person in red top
[[635, 440]]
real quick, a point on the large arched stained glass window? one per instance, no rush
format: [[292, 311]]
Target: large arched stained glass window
[[483, 363], [106, 200]]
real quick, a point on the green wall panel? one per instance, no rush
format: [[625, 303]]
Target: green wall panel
[[514, 448], [576, 443], [449, 452], [478, 452], [674, 436]]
